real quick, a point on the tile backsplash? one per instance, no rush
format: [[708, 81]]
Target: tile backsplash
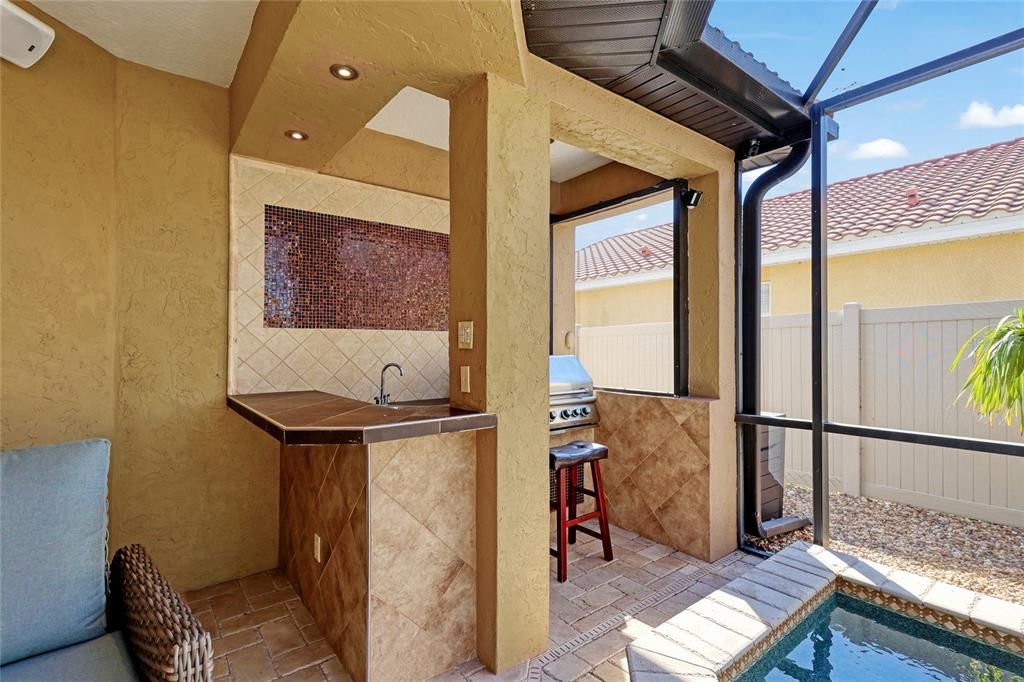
[[332, 272], [342, 361]]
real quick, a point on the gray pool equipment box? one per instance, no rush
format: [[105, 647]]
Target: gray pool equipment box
[[771, 480]]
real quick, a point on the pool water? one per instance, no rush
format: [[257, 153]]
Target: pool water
[[849, 639]]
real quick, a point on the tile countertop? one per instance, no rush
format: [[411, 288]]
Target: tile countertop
[[318, 418]]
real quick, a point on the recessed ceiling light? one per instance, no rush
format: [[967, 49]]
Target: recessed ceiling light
[[344, 72], [296, 135]]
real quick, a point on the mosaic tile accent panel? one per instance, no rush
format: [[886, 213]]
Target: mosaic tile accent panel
[[345, 362], [333, 272], [323, 491], [423, 555], [656, 476]]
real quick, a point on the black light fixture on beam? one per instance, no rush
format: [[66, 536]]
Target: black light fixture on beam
[[691, 198]]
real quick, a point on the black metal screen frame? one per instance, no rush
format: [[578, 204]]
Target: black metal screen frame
[[748, 284], [680, 277]]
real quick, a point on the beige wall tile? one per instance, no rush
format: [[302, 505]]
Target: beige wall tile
[[352, 367], [657, 472], [423, 609]]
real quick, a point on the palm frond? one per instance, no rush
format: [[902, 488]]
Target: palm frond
[[995, 384]]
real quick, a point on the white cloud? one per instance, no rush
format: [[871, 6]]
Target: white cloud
[[882, 148], [982, 115], [640, 217]]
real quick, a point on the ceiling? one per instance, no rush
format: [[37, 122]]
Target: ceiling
[[414, 115], [194, 38], [568, 161], [420, 116], [662, 55]]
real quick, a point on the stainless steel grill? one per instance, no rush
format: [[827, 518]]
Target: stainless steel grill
[[571, 394], [572, 403]]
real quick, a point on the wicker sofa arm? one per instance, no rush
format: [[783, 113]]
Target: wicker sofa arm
[[166, 640]]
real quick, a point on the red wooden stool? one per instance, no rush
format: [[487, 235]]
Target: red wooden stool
[[564, 462]]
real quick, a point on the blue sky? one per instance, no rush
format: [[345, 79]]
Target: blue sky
[[967, 109]]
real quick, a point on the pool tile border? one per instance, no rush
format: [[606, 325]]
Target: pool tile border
[[947, 621], [721, 635]]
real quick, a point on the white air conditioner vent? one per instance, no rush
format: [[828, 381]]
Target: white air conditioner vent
[[23, 38]]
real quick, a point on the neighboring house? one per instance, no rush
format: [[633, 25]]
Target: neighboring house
[[946, 230]]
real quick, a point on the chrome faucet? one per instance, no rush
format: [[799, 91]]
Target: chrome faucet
[[385, 398]]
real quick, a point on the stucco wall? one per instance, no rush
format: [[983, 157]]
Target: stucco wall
[[979, 269], [610, 181], [190, 479], [630, 304], [115, 239], [58, 234], [386, 160]]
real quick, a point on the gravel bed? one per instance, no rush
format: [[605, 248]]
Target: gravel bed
[[978, 555]]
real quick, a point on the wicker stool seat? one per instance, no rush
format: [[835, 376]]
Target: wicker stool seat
[[565, 460]]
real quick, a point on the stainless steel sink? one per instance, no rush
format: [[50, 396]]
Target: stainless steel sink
[[419, 403]]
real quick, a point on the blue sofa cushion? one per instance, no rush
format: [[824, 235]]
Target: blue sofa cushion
[[104, 659], [53, 554]]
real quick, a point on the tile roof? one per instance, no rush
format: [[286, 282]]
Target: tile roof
[[963, 186], [626, 253]]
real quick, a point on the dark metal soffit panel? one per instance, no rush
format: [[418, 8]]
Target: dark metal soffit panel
[[662, 55]]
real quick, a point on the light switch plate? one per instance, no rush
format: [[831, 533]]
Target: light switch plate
[[466, 335], [464, 378]]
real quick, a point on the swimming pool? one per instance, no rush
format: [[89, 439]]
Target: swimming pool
[[845, 638]]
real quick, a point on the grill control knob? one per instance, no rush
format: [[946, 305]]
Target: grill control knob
[[585, 411], [551, 416], [575, 412], [566, 414]]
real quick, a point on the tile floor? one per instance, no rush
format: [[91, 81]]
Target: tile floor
[[262, 632], [606, 605]]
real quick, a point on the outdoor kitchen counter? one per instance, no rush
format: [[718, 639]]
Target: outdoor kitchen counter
[[377, 525], [318, 418]]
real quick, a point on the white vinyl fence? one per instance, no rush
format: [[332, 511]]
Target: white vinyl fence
[[887, 367], [635, 356]]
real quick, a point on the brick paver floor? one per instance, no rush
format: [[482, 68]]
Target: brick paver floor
[[262, 632], [606, 605]]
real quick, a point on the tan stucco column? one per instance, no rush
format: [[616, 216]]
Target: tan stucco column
[[499, 175], [712, 343], [563, 282]]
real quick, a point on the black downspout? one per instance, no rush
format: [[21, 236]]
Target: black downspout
[[749, 296], [750, 274]]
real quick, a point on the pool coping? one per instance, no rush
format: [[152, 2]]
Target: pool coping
[[721, 635]]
